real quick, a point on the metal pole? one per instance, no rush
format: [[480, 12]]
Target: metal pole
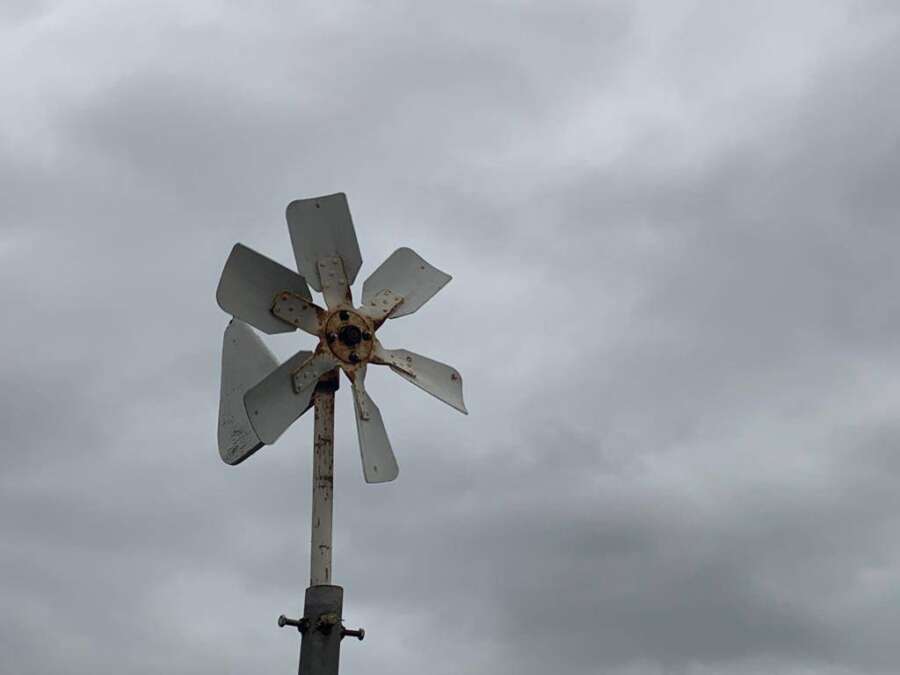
[[321, 626], [323, 490]]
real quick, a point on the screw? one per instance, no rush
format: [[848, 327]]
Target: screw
[[359, 633], [367, 335], [354, 357], [344, 314], [332, 337]]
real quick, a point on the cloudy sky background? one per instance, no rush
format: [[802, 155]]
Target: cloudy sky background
[[673, 230]]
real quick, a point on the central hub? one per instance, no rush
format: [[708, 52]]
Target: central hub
[[349, 336]]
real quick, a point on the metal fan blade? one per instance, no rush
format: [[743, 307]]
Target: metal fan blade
[[248, 287], [321, 228], [402, 283], [438, 379], [278, 400], [245, 361], [378, 461]]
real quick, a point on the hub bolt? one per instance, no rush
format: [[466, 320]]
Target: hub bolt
[[354, 357]]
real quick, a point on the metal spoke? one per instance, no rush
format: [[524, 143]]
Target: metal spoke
[[335, 287], [276, 402], [248, 287], [320, 228], [298, 311], [401, 285], [438, 379]]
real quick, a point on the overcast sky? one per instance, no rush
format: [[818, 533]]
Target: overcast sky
[[673, 230]]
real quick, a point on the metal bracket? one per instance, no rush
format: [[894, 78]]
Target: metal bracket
[[324, 624], [309, 375], [335, 287], [380, 307], [391, 358], [297, 311], [360, 398]]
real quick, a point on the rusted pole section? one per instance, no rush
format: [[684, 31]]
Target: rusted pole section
[[323, 489], [321, 625]]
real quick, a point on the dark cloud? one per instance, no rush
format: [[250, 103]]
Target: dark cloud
[[671, 229]]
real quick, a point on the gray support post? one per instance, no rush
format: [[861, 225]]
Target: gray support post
[[320, 647]]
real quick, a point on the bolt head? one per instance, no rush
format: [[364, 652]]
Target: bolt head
[[354, 357], [332, 337], [366, 335], [344, 314]]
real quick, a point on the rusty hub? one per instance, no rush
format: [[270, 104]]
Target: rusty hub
[[348, 335]]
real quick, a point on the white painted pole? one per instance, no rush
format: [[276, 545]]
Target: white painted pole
[[323, 489]]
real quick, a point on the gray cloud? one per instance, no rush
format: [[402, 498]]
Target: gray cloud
[[671, 228]]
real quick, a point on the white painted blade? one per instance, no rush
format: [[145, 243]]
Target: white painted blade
[[438, 379], [245, 361], [248, 287], [378, 461], [321, 227], [275, 403], [404, 275]]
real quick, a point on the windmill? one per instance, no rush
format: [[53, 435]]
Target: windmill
[[260, 399]]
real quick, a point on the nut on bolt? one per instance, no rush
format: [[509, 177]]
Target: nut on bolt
[[359, 633], [326, 622], [299, 624]]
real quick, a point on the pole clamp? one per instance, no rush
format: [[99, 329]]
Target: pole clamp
[[324, 624]]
